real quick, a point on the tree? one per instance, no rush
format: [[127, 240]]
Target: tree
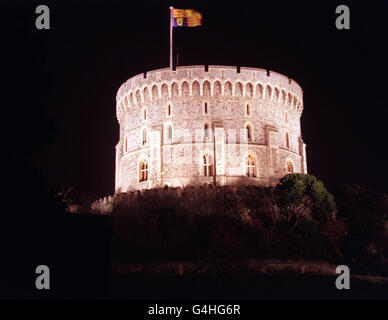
[[302, 195]]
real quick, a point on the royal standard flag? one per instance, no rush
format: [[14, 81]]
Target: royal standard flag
[[186, 18]]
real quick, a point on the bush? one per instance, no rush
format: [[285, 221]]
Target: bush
[[222, 222]]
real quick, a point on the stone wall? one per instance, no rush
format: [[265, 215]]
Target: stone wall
[[226, 100]]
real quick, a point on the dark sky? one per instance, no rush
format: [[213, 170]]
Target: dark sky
[[94, 46]]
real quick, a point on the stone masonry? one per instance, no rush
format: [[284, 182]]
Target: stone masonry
[[215, 124]]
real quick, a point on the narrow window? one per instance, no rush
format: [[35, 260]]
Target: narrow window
[[290, 167], [248, 110], [169, 110], [144, 141], [143, 171], [287, 141], [169, 132], [207, 165], [285, 116], [126, 145], [145, 114], [205, 108], [249, 132], [251, 167]]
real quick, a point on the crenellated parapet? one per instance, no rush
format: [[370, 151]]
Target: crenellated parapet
[[252, 83]]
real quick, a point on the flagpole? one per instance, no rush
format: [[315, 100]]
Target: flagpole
[[171, 23]]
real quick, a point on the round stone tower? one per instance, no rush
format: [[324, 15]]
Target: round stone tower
[[215, 124]]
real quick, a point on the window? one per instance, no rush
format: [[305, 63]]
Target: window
[[144, 136], [206, 131], [169, 132], [207, 165], [248, 110], [268, 93], [126, 145], [169, 110], [205, 108], [285, 116], [143, 171], [251, 167], [144, 114], [287, 141], [290, 167], [249, 132]]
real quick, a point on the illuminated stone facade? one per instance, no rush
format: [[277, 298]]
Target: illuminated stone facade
[[210, 124]]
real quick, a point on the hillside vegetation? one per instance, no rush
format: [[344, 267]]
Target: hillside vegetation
[[298, 219]]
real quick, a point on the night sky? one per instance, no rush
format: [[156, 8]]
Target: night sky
[[95, 46]]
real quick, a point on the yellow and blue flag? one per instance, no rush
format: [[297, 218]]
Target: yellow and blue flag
[[186, 18]]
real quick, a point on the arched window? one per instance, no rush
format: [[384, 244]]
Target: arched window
[[238, 89], [144, 136], [248, 90], [169, 132], [146, 94], [164, 91], [185, 89], [249, 132], [195, 88], [268, 92], [290, 167], [206, 88], [143, 171], [248, 110], [155, 93], [138, 97], [284, 97], [207, 165], [259, 91], [217, 88], [174, 90], [287, 141], [227, 89], [277, 94], [251, 167]]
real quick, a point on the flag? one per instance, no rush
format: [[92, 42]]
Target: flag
[[186, 18]]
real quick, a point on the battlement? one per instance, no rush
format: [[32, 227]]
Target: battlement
[[212, 80]]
